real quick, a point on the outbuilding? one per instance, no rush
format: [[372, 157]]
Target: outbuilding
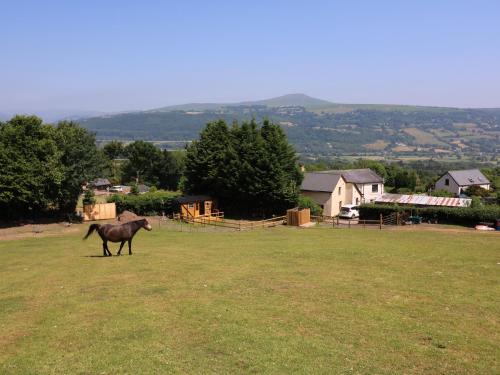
[[192, 206]]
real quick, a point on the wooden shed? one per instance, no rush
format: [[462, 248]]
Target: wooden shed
[[192, 206], [298, 217]]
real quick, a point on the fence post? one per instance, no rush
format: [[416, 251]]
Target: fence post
[[349, 221], [381, 221]]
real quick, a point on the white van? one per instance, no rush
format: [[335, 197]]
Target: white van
[[350, 211]]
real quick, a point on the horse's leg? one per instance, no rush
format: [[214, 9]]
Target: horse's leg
[[104, 254], [130, 247], [120, 251], [107, 249]]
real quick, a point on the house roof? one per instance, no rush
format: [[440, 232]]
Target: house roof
[[467, 177], [357, 176], [100, 182], [193, 198], [318, 181], [423, 200]]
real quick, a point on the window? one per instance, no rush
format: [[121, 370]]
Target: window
[[447, 182], [340, 190], [357, 201], [375, 188]]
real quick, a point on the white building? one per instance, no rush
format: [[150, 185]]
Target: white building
[[333, 189], [456, 182]]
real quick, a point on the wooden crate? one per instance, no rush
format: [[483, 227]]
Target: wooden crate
[[99, 211], [298, 217]]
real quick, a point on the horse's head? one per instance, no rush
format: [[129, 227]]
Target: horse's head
[[146, 225]]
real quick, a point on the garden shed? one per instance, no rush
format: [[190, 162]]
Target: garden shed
[[192, 206]]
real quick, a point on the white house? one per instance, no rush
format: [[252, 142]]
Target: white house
[[457, 182], [333, 189]]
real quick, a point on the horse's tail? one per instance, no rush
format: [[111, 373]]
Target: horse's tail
[[92, 228]]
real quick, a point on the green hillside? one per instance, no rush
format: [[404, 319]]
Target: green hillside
[[317, 127]]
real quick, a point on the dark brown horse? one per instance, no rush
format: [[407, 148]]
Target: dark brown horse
[[118, 233]]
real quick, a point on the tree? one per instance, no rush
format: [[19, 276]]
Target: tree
[[43, 167], [252, 170], [142, 157], [31, 173], [114, 150], [148, 164], [80, 159]]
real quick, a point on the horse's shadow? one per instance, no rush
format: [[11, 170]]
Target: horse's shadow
[[95, 256]]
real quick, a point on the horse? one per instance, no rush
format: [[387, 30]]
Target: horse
[[118, 233]]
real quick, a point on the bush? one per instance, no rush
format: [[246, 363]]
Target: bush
[[442, 193], [152, 203], [89, 197], [306, 202], [468, 216]]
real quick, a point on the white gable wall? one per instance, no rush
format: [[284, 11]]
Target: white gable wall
[[368, 194]]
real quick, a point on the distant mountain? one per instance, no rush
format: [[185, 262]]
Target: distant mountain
[[52, 115], [290, 100]]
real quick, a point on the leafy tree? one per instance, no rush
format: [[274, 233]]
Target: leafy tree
[[114, 150], [81, 161], [147, 163], [31, 172], [252, 170], [142, 157], [43, 167]]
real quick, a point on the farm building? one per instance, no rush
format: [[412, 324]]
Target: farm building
[[422, 200], [456, 182], [192, 206], [335, 188]]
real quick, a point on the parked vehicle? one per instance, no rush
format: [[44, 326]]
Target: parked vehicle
[[116, 189], [349, 211]]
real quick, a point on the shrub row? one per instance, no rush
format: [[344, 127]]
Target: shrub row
[[446, 215], [152, 203]]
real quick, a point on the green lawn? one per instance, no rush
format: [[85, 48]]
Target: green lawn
[[282, 300]]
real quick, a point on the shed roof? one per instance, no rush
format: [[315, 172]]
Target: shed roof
[[423, 200], [317, 181], [193, 198], [467, 177], [357, 176], [100, 182]]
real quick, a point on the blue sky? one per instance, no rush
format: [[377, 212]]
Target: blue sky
[[128, 55]]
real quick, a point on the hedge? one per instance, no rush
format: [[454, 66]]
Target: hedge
[[444, 215], [152, 203]]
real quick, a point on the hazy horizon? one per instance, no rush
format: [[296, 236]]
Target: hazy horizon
[[124, 56]]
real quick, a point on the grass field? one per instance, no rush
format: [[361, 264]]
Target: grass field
[[282, 300]]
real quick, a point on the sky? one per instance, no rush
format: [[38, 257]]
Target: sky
[[130, 55]]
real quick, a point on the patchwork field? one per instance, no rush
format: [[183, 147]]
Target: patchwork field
[[280, 300]]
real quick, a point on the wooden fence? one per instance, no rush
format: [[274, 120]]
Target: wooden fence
[[99, 211], [240, 225]]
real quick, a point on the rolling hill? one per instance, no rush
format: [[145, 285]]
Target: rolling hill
[[320, 128]]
